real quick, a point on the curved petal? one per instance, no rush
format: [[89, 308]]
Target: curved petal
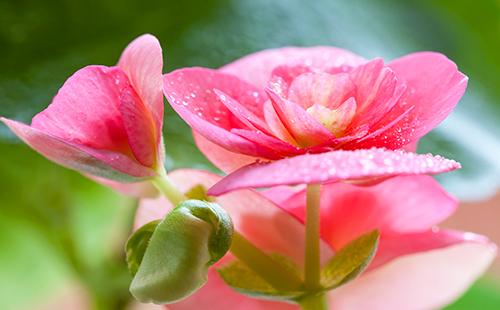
[[191, 94], [402, 204], [110, 165], [427, 280], [223, 159], [139, 127], [256, 68], [86, 110], [142, 61], [306, 130], [434, 87], [323, 89], [333, 166], [396, 245], [377, 91]]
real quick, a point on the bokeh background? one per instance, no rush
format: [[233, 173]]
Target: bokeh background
[[61, 235]]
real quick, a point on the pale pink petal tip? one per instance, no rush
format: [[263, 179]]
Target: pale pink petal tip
[[333, 166]]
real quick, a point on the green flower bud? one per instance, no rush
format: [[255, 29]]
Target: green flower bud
[[182, 247]]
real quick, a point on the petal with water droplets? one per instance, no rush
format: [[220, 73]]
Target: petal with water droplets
[[333, 166]]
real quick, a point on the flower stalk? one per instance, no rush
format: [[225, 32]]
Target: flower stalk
[[312, 268], [165, 185]]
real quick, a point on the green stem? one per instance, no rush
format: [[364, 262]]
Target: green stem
[[314, 302], [312, 259], [265, 266], [167, 188]]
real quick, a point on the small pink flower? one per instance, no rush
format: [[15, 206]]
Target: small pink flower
[[291, 101], [417, 264], [106, 121]]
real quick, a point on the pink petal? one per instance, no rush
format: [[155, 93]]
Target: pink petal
[[280, 194], [140, 128], [275, 124], [192, 89], [399, 205], [190, 93], [110, 165], [428, 280], [396, 245], [276, 145], [321, 88], [257, 68], [333, 166], [434, 88], [251, 120], [303, 127], [86, 110], [223, 159], [142, 61], [377, 91]]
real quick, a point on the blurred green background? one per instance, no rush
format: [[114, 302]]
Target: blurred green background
[[61, 235]]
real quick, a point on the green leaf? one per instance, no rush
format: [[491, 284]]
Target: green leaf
[[244, 280], [182, 247], [137, 244], [350, 261]]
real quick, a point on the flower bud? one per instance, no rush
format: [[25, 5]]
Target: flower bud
[[175, 261]]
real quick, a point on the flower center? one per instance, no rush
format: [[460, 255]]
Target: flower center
[[335, 120]]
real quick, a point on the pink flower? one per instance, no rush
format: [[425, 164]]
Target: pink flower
[[106, 121], [291, 101], [417, 264], [367, 166]]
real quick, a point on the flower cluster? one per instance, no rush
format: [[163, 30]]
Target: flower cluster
[[348, 218]]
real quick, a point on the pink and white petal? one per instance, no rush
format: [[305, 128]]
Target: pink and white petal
[[332, 167], [377, 91], [256, 68], [396, 245], [140, 128], [223, 159], [303, 127], [277, 145], [428, 280], [106, 164], [281, 194], [283, 76], [86, 110], [142, 60], [322, 89], [143, 189], [192, 89], [401, 204], [434, 87], [275, 124], [246, 116]]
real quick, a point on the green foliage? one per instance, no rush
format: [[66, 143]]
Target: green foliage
[[137, 244], [350, 261], [244, 280], [175, 262], [347, 263]]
